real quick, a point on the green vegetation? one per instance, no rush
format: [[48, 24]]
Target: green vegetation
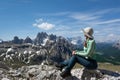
[[109, 54], [109, 59]]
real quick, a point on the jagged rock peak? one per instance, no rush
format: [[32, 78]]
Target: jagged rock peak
[[40, 37], [16, 40], [28, 40]]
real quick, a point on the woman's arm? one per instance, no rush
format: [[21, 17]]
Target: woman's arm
[[87, 50]]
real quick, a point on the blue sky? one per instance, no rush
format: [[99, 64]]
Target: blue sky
[[61, 17]]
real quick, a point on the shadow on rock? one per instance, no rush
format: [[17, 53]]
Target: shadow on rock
[[110, 73], [72, 78]]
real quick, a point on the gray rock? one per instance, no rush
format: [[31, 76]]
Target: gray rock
[[46, 72], [88, 74], [3, 66], [5, 79]]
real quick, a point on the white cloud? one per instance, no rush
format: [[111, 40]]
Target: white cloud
[[107, 38], [105, 11], [96, 32], [109, 21], [62, 28], [39, 20], [53, 14], [84, 17], [68, 33], [43, 25], [96, 17], [112, 37]]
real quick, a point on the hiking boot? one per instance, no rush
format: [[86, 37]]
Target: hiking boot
[[65, 74], [59, 66]]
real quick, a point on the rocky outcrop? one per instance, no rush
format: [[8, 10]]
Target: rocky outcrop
[[50, 72]]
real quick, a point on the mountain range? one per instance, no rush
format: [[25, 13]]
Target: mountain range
[[105, 52]]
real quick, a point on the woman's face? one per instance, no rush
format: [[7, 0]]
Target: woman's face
[[85, 35]]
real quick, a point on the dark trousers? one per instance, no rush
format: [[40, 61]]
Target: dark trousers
[[87, 63]]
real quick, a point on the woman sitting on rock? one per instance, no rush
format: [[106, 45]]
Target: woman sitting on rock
[[84, 57]]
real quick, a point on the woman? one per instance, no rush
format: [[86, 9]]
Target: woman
[[84, 57]]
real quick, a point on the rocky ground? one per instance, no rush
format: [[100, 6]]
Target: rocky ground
[[50, 72]]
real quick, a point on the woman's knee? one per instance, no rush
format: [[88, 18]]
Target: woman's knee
[[73, 58]]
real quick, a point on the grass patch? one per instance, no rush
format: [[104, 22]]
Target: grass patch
[[109, 66], [106, 66]]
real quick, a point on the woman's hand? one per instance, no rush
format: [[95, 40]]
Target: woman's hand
[[73, 52]]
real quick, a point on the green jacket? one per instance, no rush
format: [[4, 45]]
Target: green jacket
[[89, 50]]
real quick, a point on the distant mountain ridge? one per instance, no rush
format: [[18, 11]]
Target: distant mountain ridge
[[106, 52]]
